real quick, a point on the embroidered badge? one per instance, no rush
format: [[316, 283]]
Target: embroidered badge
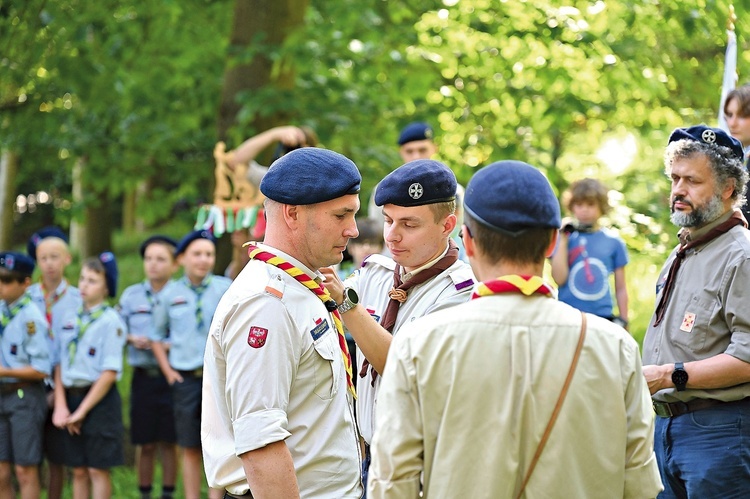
[[31, 328], [92, 351], [180, 300], [13, 349], [688, 322], [119, 332], [415, 190], [372, 313], [256, 338], [69, 326], [320, 328]]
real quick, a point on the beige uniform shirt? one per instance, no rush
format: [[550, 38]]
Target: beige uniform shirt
[[274, 371], [468, 392], [708, 312], [372, 282]]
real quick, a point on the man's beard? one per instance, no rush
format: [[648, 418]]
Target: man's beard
[[700, 215]]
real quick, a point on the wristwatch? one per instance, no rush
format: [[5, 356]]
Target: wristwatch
[[679, 376], [350, 300]]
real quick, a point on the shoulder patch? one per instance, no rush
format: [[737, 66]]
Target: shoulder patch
[[463, 278], [381, 260], [31, 328], [180, 300], [275, 286]]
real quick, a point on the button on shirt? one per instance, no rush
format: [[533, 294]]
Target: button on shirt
[[23, 341], [274, 372], [372, 282], [64, 299], [175, 318], [136, 309], [99, 349]]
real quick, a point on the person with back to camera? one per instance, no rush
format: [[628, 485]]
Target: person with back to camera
[[696, 352], [587, 254], [513, 394], [278, 418]]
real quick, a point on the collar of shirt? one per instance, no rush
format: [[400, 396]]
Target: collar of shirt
[[93, 309], [189, 283], [405, 277], [315, 275], [687, 234], [60, 287]]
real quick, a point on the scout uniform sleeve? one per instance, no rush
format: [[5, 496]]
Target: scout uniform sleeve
[[37, 346], [397, 447], [262, 348], [736, 310], [160, 313], [115, 341]]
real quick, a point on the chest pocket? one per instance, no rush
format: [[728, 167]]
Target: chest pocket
[[327, 365], [695, 323]]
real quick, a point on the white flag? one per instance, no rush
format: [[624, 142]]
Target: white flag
[[730, 76]]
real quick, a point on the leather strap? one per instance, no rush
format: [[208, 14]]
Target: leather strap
[[558, 405]]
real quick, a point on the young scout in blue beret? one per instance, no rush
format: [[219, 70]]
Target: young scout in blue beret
[[469, 393], [87, 403], [182, 318], [54, 296], [278, 416], [24, 363], [423, 274], [151, 411]]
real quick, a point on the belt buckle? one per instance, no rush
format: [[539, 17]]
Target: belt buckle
[[663, 409]]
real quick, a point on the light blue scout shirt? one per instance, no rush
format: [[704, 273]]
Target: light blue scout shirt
[[179, 318], [84, 355], [23, 337], [137, 305], [65, 298]]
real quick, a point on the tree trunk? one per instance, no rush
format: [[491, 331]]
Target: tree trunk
[[78, 227], [94, 234], [8, 170]]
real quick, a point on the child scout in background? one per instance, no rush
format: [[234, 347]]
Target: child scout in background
[[53, 295], [151, 413], [587, 254], [24, 363], [87, 403], [183, 315]]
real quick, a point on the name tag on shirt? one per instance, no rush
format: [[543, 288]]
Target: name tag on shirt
[[320, 329]]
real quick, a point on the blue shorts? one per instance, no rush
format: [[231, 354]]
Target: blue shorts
[[100, 443], [151, 412], [186, 399], [23, 408]]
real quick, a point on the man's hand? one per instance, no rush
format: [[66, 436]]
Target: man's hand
[[333, 284], [658, 377], [290, 136]]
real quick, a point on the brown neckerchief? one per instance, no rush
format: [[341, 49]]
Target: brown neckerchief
[[722, 228], [399, 293]]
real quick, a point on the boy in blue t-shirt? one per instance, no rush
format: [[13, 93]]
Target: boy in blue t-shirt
[[587, 254]]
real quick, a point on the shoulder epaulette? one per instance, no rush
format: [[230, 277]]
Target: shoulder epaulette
[[462, 278], [275, 286], [381, 260]]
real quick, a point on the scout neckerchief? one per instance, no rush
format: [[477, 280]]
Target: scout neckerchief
[[50, 298], [149, 294], [199, 290], [399, 293], [661, 308], [83, 327], [255, 253], [528, 285], [8, 313]]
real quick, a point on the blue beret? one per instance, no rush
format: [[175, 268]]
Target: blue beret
[[196, 234], [510, 197], [110, 271], [708, 135], [415, 131], [44, 233], [418, 182], [17, 262], [310, 175], [157, 239]]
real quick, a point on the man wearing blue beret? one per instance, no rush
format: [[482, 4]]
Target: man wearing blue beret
[[423, 275], [696, 351], [278, 418], [469, 393]]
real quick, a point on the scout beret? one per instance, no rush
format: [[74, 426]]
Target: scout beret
[[415, 131], [510, 197], [110, 271], [418, 182], [44, 233], [310, 175], [193, 236], [17, 262], [708, 135], [157, 239]]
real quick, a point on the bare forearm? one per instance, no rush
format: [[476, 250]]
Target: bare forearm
[[270, 472], [719, 371], [559, 261], [59, 389], [160, 353], [372, 338], [26, 373], [97, 391]]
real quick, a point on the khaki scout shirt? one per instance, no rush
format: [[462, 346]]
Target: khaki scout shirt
[[708, 312]]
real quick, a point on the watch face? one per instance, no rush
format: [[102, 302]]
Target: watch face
[[680, 377], [352, 296]]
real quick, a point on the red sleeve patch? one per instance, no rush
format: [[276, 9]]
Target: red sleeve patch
[[256, 338]]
